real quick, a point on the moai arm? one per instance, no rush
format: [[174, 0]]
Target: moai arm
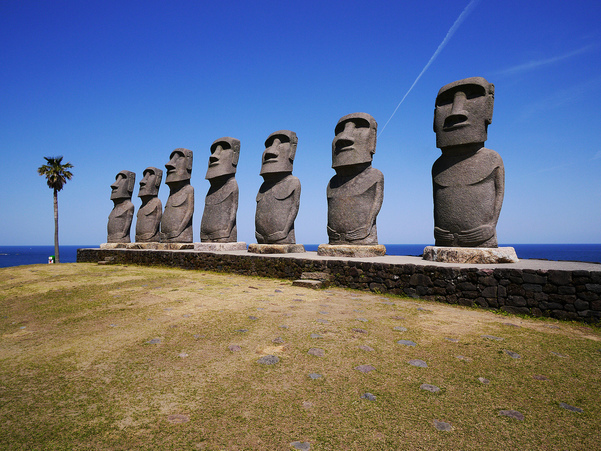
[[186, 219], [499, 191]]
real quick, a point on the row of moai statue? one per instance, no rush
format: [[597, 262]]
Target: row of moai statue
[[468, 185]]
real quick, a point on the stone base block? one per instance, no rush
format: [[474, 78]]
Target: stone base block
[[220, 247], [154, 245], [174, 246], [305, 283], [349, 250], [114, 245], [481, 255], [256, 248]]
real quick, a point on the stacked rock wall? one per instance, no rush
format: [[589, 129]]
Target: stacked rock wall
[[564, 294]]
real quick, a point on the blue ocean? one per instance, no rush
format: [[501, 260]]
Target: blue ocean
[[30, 255]]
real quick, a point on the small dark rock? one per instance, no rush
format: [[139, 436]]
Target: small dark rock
[[418, 363], [442, 426], [563, 405], [512, 414], [407, 343], [368, 396], [365, 368], [513, 355], [430, 388], [269, 360]]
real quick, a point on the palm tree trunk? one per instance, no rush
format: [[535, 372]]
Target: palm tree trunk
[[56, 226]]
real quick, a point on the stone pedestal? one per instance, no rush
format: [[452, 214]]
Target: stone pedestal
[[114, 245], [153, 246], [481, 255], [348, 250], [174, 246], [256, 248], [220, 247]]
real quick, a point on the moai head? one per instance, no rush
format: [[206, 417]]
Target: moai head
[[224, 157], [463, 111], [179, 167], [123, 188], [150, 184], [355, 140], [280, 149]]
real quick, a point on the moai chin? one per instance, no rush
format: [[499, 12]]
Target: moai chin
[[218, 223], [278, 199], [356, 192], [176, 222], [149, 216], [468, 179], [119, 224]]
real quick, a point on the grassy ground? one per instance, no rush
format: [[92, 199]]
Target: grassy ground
[[126, 357]]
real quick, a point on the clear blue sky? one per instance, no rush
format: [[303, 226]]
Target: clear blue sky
[[115, 85]]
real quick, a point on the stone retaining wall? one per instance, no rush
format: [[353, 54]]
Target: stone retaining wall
[[564, 294]]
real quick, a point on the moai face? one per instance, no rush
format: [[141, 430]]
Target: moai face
[[463, 111], [150, 184], [124, 184], [224, 157], [355, 140], [280, 149], [179, 167]]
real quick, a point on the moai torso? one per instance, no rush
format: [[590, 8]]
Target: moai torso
[[353, 204], [356, 192], [218, 223], [148, 221], [120, 218], [468, 191], [219, 217], [176, 223], [119, 224], [277, 207], [468, 179]]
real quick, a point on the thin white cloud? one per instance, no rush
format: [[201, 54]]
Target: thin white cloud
[[536, 64], [597, 155], [471, 5]]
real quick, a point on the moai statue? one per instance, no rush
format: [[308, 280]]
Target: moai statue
[[176, 223], [468, 179], [148, 221], [356, 192], [120, 218], [221, 204], [278, 199]]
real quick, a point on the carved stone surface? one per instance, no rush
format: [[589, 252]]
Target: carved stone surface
[[148, 222], [220, 247], [342, 250], [275, 248], [470, 255], [356, 192], [278, 199], [468, 179], [176, 223], [119, 224], [218, 223]]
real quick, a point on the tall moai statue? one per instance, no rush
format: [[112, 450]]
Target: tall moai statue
[[218, 223], [468, 179], [356, 192], [278, 199], [148, 222], [176, 223], [119, 224]]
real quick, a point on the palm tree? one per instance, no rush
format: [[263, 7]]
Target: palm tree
[[57, 175]]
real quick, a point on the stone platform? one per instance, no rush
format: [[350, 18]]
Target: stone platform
[[566, 290], [481, 255], [256, 248]]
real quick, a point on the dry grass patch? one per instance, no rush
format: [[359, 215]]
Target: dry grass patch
[[123, 357]]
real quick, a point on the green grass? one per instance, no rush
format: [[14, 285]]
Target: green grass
[[77, 371]]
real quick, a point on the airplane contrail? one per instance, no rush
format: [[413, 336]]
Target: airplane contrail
[[442, 45]]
